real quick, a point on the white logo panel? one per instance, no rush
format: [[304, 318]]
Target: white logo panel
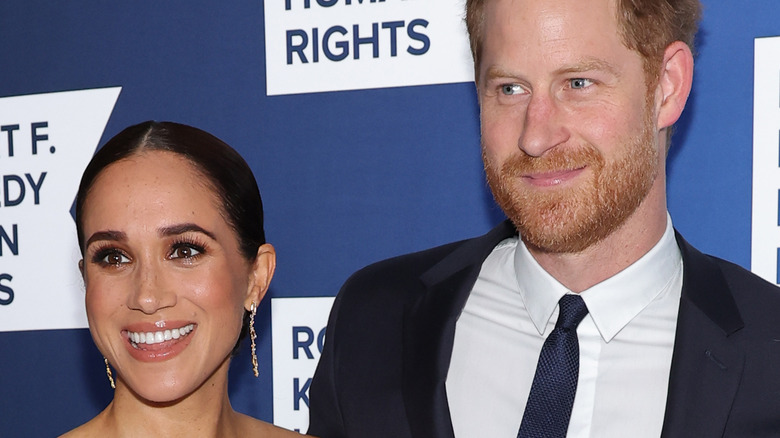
[[765, 245], [331, 45], [298, 334], [46, 141]]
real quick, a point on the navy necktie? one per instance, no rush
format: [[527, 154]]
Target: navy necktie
[[548, 410]]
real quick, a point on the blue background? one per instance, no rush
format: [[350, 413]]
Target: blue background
[[347, 178]]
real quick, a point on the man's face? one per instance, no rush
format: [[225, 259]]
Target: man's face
[[569, 137]]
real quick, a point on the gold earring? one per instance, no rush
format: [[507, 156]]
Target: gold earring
[[253, 336], [108, 373]]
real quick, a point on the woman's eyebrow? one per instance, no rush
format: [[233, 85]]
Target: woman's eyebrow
[[113, 235], [174, 230]]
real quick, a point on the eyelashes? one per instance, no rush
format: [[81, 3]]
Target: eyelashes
[[106, 254], [185, 249]]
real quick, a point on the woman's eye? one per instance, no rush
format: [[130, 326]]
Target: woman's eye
[[580, 83], [185, 252], [114, 258], [511, 89]]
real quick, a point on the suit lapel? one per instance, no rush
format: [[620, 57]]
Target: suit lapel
[[429, 331], [705, 372], [706, 367]]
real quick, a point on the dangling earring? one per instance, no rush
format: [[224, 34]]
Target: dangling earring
[[253, 336], [108, 373]]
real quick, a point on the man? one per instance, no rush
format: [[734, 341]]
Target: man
[[577, 101]]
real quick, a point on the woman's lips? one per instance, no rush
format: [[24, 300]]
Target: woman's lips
[[148, 345], [159, 336], [553, 178]]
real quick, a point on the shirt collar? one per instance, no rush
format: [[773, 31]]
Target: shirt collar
[[614, 302]]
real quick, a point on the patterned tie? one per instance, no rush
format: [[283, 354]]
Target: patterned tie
[[549, 405]]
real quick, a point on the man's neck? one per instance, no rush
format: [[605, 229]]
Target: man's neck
[[602, 260]]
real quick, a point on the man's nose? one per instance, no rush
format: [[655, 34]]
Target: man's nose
[[543, 125]]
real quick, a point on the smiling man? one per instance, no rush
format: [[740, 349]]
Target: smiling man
[[585, 314]]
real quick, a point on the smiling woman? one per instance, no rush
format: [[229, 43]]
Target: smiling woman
[[170, 225]]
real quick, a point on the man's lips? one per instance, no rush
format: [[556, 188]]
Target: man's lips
[[552, 178]]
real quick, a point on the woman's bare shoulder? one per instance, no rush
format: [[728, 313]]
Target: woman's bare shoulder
[[261, 428], [248, 426], [92, 428]]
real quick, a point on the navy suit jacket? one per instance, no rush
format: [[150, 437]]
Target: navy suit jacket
[[390, 335]]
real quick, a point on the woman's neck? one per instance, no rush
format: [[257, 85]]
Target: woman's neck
[[206, 412]]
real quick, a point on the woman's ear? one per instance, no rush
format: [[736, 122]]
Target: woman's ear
[[261, 274]]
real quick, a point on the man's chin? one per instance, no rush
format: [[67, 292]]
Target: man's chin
[[564, 220], [565, 237], [573, 225]]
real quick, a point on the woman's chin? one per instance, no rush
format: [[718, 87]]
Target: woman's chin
[[166, 390]]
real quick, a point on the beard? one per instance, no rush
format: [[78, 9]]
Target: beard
[[573, 218]]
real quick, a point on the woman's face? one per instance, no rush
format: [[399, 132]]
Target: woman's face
[[166, 284]]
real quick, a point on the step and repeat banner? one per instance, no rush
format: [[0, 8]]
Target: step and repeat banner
[[360, 122]]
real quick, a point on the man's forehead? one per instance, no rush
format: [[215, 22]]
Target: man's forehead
[[557, 24], [531, 9]]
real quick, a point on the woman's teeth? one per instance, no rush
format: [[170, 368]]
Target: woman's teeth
[[160, 336]]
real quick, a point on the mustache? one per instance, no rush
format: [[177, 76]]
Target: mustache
[[556, 159]]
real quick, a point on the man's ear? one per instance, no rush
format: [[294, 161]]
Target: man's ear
[[81, 268], [674, 84], [261, 274]]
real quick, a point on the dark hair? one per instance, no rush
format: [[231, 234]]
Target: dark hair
[[227, 173]]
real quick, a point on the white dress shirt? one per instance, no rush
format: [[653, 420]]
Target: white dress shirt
[[626, 343]]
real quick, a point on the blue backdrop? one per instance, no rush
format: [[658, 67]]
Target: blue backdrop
[[347, 178]]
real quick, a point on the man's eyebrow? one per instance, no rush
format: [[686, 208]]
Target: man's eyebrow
[[584, 65], [117, 236], [590, 64], [497, 72], [175, 230]]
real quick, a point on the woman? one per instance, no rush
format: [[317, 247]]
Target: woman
[[170, 226]]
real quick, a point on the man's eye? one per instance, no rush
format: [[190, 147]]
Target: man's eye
[[511, 89], [185, 252], [580, 83]]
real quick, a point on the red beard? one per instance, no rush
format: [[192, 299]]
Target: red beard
[[572, 218]]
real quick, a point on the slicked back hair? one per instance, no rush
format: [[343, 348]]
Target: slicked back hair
[[226, 172]]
